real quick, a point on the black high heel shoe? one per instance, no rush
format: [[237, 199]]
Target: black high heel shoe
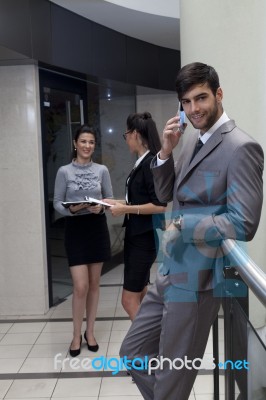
[[75, 353], [93, 348]]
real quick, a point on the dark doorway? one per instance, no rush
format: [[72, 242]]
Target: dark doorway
[[66, 102]]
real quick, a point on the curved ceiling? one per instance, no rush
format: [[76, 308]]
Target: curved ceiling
[[157, 7], [153, 24]]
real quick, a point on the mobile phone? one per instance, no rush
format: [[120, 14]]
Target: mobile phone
[[182, 116]]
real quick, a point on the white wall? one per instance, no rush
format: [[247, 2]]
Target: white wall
[[23, 264], [161, 104]]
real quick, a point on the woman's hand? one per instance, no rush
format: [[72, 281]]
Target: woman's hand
[[95, 209], [110, 201], [118, 209], [74, 209]]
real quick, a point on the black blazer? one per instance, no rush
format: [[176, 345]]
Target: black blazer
[[141, 190]]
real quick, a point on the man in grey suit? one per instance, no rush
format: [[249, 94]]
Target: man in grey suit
[[217, 194]]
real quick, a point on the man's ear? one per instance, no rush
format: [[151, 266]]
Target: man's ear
[[219, 94]]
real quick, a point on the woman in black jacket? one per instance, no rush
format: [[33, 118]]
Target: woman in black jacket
[[140, 246]]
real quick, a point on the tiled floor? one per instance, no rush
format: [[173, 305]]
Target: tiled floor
[[28, 346]]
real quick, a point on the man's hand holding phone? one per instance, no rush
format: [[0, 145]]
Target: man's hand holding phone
[[182, 118], [172, 132]]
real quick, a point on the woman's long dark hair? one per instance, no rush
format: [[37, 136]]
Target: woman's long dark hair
[[83, 129], [146, 127]]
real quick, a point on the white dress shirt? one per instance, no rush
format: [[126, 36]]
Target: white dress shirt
[[223, 118]]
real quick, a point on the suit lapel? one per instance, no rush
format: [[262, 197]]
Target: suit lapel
[[214, 141], [135, 170]]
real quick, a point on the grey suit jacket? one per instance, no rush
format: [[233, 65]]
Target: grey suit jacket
[[220, 196]]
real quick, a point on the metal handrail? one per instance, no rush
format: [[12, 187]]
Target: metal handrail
[[251, 274]]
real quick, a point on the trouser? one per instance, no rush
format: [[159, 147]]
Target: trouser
[[171, 323]]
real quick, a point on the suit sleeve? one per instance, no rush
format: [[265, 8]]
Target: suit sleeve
[[240, 216], [149, 183], [164, 179]]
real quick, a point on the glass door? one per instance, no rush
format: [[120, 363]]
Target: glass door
[[62, 113], [66, 102]]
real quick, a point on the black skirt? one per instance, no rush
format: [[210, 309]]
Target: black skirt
[[140, 252], [87, 239]]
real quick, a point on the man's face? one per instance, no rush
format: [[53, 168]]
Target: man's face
[[202, 107]]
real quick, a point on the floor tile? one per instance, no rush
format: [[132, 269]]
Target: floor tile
[[35, 398], [117, 336], [121, 398], [4, 327], [15, 351], [58, 327], [77, 387], [81, 364], [120, 312], [48, 350], [108, 296], [62, 314], [27, 327], [110, 289], [121, 325], [101, 337], [19, 338], [31, 347], [113, 349], [31, 388], [103, 326], [203, 384], [207, 397], [39, 365], [4, 386], [10, 366], [111, 280], [106, 312], [118, 387], [87, 397], [54, 337], [106, 303], [65, 305]]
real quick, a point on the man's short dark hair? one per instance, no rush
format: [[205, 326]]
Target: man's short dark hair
[[196, 74]]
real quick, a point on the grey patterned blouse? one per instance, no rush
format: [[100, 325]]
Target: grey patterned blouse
[[75, 181]]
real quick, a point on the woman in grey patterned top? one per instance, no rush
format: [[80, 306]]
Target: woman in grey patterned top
[[87, 239]]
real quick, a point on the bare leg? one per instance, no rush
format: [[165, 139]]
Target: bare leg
[[131, 301], [144, 291], [80, 289], [94, 271]]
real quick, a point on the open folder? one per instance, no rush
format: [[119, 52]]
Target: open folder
[[88, 200]]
